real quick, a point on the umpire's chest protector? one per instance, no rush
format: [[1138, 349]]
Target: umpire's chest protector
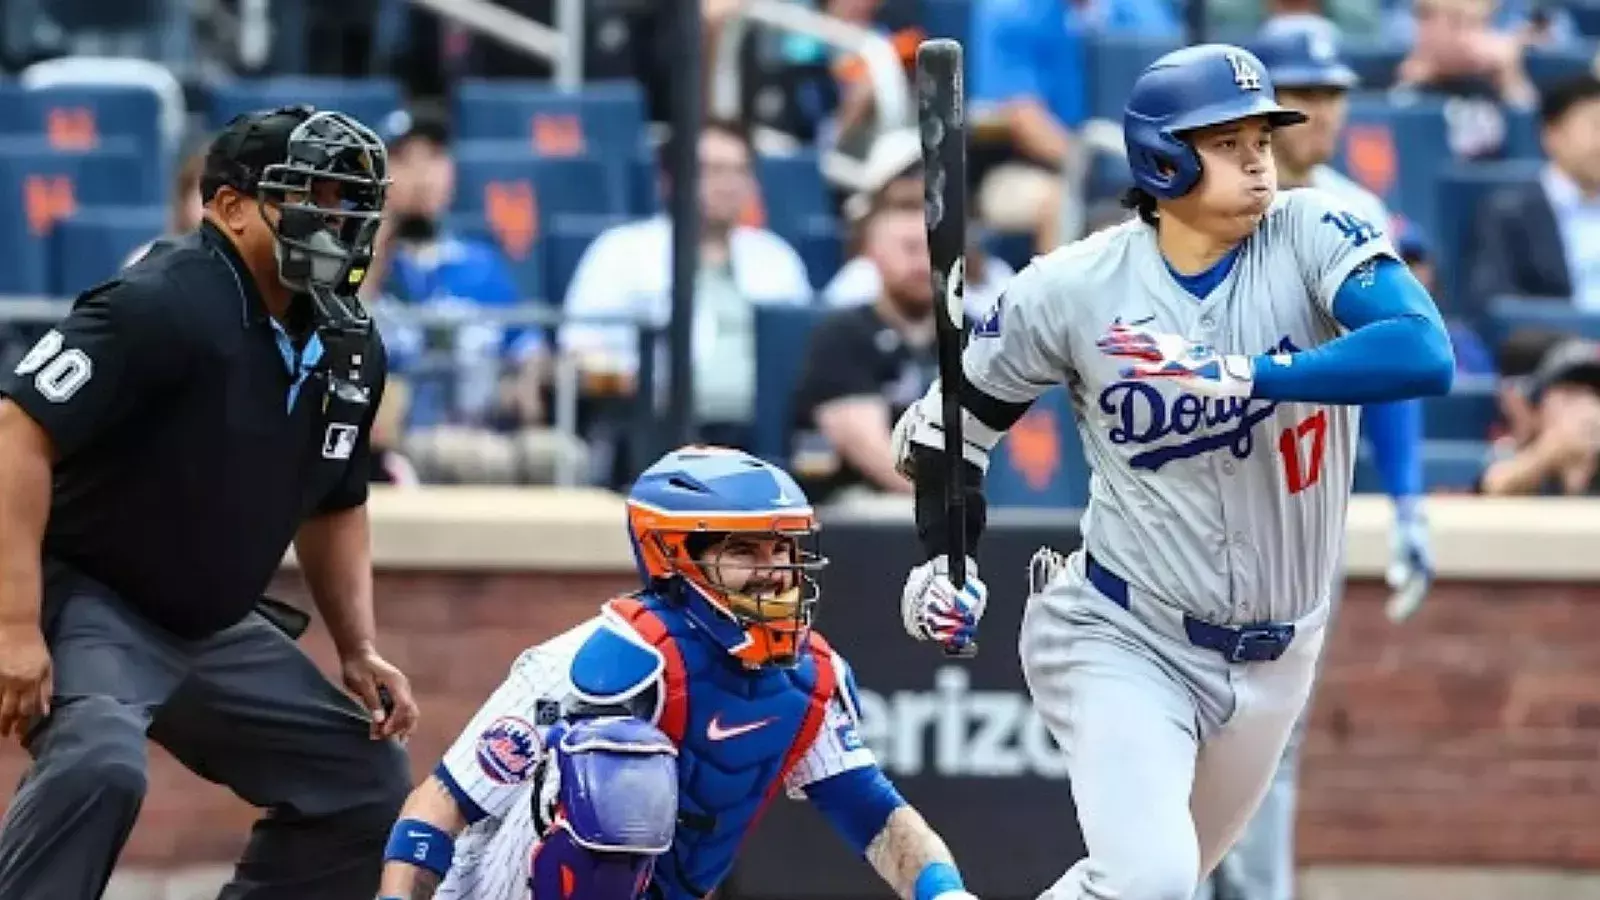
[[739, 732]]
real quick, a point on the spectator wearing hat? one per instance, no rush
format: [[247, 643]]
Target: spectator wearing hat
[[892, 179], [475, 389], [1561, 453], [1542, 238]]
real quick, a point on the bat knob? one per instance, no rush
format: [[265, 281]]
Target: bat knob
[[965, 651]]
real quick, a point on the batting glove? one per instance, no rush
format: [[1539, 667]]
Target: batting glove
[[933, 609], [1196, 366], [1410, 572]]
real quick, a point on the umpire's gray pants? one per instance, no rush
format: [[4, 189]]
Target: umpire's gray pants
[[243, 708]]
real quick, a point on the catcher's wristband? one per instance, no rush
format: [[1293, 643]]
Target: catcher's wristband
[[937, 878]]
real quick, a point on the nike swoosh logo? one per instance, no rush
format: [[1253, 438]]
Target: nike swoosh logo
[[716, 731]]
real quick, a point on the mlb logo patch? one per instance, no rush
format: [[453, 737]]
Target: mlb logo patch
[[339, 441], [508, 749]]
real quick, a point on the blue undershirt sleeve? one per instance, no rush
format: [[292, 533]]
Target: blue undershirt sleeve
[[1397, 347]]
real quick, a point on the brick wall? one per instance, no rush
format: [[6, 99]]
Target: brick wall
[[1469, 735]]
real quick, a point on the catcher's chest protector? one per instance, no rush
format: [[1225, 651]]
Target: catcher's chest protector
[[738, 732]]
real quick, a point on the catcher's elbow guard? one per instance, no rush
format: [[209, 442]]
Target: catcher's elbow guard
[[922, 424]]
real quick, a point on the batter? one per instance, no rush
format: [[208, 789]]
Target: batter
[[1216, 349]]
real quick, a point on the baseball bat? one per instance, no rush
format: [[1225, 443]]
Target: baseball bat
[[941, 119]]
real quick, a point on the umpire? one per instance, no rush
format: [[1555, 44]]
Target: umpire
[[159, 450]]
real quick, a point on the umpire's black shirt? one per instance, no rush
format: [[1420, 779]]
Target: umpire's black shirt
[[191, 437]]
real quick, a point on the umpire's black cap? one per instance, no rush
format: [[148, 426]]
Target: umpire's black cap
[[246, 146]]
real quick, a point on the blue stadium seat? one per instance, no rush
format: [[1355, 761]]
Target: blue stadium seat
[[80, 117], [525, 257], [1508, 314], [1547, 66], [948, 19], [1374, 64], [821, 248], [1522, 135], [1585, 17], [493, 176], [1395, 150], [369, 100], [1448, 467], [1465, 414], [603, 119], [782, 336], [42, 185], [1040, 462], [91, 245], [1460, 189], [792, 192], [1114, 63], [644, 193], [1016, 249], [565, 240]]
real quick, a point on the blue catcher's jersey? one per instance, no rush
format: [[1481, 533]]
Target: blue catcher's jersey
[[739, 734]]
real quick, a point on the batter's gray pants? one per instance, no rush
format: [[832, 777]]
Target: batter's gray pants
[[243, 708], [1260, 866]]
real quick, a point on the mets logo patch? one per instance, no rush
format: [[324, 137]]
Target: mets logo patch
[[508, 749]]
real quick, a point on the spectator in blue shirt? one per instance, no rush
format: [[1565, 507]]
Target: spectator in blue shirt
[[476, 388], [1029, 70]]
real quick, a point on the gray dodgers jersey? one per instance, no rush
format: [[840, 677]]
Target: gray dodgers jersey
[[1231, 509], [1358, 199]]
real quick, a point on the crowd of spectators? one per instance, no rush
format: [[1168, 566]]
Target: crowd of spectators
[[473, 400]]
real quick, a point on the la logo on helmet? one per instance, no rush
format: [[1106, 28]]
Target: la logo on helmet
[[1244, 74]]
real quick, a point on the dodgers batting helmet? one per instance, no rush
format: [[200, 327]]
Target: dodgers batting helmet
[[1186, 90], [1304, 58]]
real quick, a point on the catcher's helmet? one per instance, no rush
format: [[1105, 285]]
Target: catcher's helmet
[[1184, 91], [1304, 58]]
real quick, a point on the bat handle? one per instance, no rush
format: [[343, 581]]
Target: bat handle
[[966, 651]]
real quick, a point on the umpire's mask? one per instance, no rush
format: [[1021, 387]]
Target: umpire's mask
[[329, 193]]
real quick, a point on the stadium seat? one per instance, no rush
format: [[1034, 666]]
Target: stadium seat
[[79, 118], [604, 119], [1548, 65], [1460, 188], [948, 19], [526, 259], [1374, 64], [91, 245], [42, 185], [500, 177], [1508, 314], [821, 248], [1395, 149], [565, 240], [792, 192], [782, 336], [1015, 249], [1448, 467], [369, 100], [1522, 135], [644, 193], [1040, 461], [1114, 63], [1465, 414]]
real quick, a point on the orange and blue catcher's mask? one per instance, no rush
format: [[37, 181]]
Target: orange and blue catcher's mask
[[733, 539]]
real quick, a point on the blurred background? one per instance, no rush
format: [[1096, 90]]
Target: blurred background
[[616, 225], [526, 283]]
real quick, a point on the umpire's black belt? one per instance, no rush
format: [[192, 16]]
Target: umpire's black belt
[[1249, 643]]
